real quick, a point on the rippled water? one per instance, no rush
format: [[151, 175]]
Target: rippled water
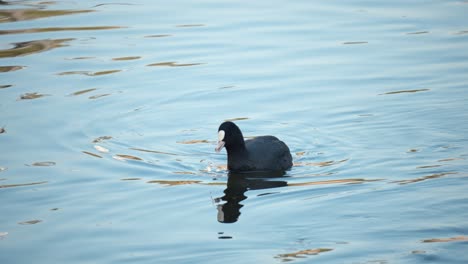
[[109, 116]]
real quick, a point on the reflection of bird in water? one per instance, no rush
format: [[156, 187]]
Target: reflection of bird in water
[[237, 185]]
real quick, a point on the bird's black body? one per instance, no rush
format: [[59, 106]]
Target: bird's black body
[[264, 153]]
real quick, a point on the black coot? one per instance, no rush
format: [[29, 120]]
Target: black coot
[[265, 153]]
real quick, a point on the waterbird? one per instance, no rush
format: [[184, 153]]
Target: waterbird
[[263, 153]]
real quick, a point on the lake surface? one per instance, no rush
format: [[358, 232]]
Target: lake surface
[[109, 113]]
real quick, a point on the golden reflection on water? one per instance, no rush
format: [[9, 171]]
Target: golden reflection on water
[[406, 91], [191, 25], [31, 47], [195, 141], [417, 33], [227, 87], [220, 167], [338, 181], [301, 254], [55, 29], [82, 58], [185, 182], [42, 164], [173, 183], [355, 42], [98, 96], [184, 173], [82, 92], [21, 184], [30, 222], [449, 159], [300, 153], [154, 151], [319, 164], [126, 157], [11, 68], [92, 154], [428, 177], [172, 64], [30, 96], [158, 36], [428, 166], [236, 119], [126, 58], [89, 73], [127, 4], [451, 239], [13, 15], [102, 138]]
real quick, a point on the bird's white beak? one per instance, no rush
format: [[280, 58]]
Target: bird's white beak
[[220, 146], [220, 141]]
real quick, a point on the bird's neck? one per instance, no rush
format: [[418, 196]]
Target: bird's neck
[[237, 151]]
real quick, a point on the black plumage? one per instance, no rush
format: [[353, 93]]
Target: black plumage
[[264, 153]]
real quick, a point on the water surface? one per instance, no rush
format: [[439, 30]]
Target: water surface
[[109, 116]]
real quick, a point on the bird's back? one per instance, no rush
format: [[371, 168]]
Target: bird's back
[[268, 153]]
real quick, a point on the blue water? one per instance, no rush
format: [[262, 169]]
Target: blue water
[[109, 113]]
